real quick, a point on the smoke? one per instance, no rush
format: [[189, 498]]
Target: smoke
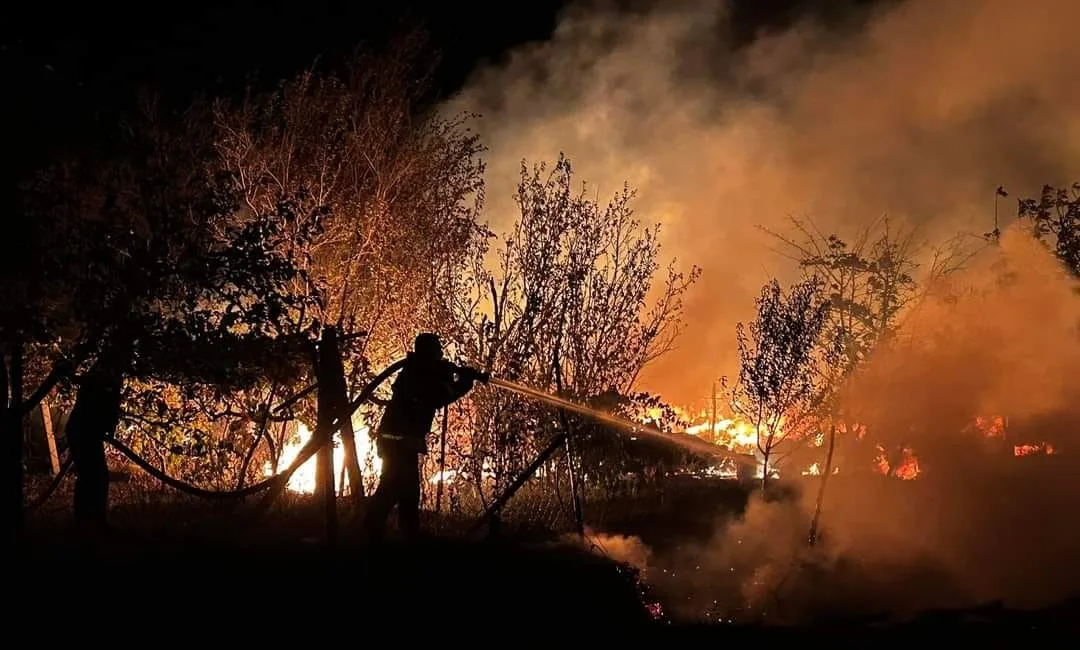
[[627, 549], [1004, 339], [979, 525], [919, 109]]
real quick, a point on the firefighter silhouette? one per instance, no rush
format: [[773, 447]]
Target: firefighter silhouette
[[426, 383]]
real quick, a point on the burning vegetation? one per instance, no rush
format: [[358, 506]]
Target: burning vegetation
[[262, 261]]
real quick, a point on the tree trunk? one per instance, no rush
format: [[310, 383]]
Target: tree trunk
[[328, 412], [352, 460], [816, 521], [333, 398], [260, 433], [12, 435], [765, 469]]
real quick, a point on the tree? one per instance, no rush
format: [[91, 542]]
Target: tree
[[569, 306], [395, 191], [150, 252], [869, 282], [872, 280], [777, 379], [1055, 217]]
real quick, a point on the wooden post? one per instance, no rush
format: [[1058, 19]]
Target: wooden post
[[325, 490], [568, 446], [50, 437], [334, 397]]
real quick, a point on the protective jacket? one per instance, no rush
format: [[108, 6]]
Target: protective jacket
[[97, 408], [422, 388]]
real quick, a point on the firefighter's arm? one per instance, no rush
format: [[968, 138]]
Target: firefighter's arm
[[464, 380], [455, 384], [446, 391]]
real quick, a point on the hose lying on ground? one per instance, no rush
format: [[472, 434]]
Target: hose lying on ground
[[49, 491], [187, 488], [317, 440]]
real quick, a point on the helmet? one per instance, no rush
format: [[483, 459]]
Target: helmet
[[428, 345]]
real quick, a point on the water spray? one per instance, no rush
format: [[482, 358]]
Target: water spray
[[682, 439]]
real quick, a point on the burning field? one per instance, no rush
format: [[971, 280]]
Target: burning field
[[928, 505], [740, 398]]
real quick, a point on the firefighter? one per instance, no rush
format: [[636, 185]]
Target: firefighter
[[426, 383], [93, 420]]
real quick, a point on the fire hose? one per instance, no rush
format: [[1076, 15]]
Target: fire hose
[[322, 436], [318, 439], [49, 491]]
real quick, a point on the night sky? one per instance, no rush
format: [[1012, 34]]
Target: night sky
[[74, 67]]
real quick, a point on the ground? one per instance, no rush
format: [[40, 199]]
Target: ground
[[208, 571]]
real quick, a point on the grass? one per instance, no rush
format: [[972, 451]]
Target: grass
[[178, 566]]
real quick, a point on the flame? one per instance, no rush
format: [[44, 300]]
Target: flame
[[815, 470], [735, 434], [907, 469], [303, 480], [1030, 450], [991, 427]]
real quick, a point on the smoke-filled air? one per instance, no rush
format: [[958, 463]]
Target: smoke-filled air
[[667, 317], [919, 109], [927, 118]]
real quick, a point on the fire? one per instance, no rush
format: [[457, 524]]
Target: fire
[[734, 433], [815, 470], [446, 475], [731, 433], [303, 480], [991, 427], [1029, 450], [907, 469]]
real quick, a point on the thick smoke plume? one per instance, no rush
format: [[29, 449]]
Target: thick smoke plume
[[979, 524], [919, 109]]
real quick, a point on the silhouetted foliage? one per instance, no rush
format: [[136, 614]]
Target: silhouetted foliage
[[571, 303], [1055, 217], [145, 246], [778, 380], [868, 282]]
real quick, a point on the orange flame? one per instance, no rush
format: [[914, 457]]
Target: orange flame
[[1030, 450], [303, 480]]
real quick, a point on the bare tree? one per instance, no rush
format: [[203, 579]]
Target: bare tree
[[870, 282], [396, 192], [777, 375], [572, 297]]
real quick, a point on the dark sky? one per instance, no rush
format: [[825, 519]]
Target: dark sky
[[69, 64]]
